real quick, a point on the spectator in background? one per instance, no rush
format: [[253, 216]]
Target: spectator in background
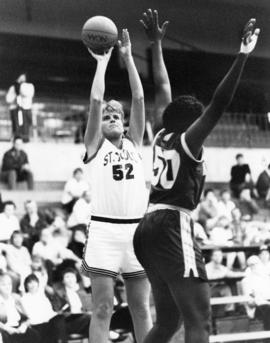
[[263, 183], [81, 212], [225, 204], [8, 221], [208, 209], [216, 270], [18, 258], [256, 285], [38, 268], [221, 233], [15, 166], [39, 310], [79, 303], [20, 97], [247, 205], [74, 189], [14, 324], [32, 223], [264, 256], [52, 251], [240, 176]]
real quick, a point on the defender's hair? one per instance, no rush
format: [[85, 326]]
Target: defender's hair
[[181, 113]]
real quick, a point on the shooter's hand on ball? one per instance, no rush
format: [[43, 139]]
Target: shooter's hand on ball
[[151, 25], [102, 58], [125, 45], [250, 37]]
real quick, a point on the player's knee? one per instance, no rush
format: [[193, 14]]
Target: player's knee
[[200, 320], [140, 309], [103, 310]]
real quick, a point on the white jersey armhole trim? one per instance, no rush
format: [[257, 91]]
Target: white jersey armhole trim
[[187, 151], [156, 136], [87, 159]]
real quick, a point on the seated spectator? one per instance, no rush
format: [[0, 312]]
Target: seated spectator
[[247, 206], [81, 212], [240, 176], [38, 268], [52, 250], [208, 209], [264, 256], [222, 235], [74, 189], [14, 324], [32, 223], [216, 270], [77, 302], [8, 221], [263, 183], [257, 233], [225, 204], [15, 166], [18, 257], [238, 227], [256, 285], [49, 325], [78, 239]]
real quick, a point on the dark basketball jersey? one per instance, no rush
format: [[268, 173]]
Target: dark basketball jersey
[[177, 178]]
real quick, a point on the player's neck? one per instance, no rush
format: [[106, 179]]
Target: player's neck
[[117, 142]]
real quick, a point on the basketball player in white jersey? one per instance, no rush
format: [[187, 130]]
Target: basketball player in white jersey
[[119, 200]]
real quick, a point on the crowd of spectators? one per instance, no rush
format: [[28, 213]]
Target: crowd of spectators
[[41, 251]]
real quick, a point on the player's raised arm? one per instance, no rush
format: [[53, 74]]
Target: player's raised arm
[[93, 129], [200, 129], [137, 111], [155, 33]]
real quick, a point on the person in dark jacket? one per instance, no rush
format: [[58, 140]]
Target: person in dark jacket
[[263, 183], [15, 166], [32, 223]]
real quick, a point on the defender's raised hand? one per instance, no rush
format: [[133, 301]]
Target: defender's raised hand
[[151, 25], [125, 45], [250, 37]]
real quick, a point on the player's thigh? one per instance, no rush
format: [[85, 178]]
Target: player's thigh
[[138, 292], [192, 297]]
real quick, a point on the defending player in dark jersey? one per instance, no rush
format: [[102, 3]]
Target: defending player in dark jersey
[[164, 241]]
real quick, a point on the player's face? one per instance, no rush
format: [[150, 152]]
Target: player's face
[[112, 123]]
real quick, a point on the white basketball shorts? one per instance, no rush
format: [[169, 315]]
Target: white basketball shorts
[[109, 248]]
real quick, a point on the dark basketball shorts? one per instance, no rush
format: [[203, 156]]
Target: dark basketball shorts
[[164, 242]]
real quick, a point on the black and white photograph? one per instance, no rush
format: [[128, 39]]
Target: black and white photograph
[[134, 171]]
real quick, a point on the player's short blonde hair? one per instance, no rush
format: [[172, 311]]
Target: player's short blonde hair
[[113, 106]]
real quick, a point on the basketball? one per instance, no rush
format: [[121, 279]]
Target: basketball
[[99, 33]]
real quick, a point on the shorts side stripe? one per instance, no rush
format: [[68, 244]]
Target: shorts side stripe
[[187, 246], [86, 268], [138, 274]]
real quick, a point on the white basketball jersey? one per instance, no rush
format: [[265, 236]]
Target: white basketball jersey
[[117, 181]]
